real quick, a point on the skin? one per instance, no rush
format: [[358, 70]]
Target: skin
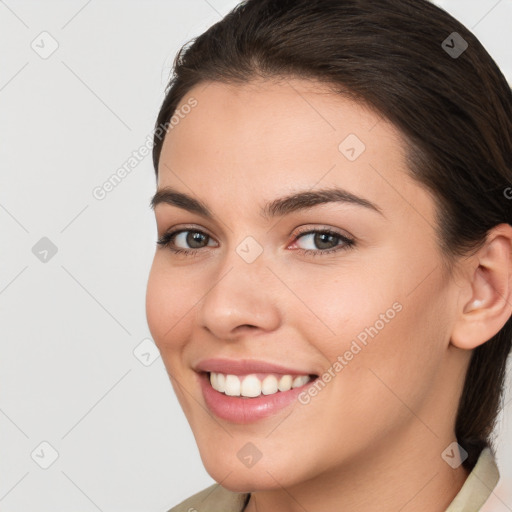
[[372, 439]]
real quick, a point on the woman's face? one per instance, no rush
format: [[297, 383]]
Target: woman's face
[[368, 310]]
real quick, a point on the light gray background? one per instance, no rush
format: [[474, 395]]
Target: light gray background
[[70, 325]]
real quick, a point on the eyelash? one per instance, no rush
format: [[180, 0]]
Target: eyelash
[[166, 239]]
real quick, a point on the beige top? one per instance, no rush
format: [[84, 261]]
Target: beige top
[[474, 493]]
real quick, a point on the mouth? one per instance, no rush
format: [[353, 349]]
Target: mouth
[[248, 398]]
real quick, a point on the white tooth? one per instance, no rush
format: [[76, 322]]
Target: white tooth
[[251, 386], [285, 383], [269, 385], [213, 380], [221, 382], [232, 385], [300, 381]]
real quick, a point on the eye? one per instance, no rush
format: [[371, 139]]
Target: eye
[[327, 240], [191, 237]]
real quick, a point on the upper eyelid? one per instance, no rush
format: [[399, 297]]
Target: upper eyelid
[[177, 230], [318, 227]]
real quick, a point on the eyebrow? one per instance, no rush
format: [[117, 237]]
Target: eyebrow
[[275, 208]]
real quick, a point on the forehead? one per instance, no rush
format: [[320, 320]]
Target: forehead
[[309, 111], [266, 138]]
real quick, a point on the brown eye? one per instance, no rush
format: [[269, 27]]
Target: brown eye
[[189, 238], [325, 241]]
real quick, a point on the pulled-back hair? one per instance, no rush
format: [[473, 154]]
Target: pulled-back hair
[[450, 102]]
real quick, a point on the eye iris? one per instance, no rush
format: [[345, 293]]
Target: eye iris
[[320, 239], [194, 237]]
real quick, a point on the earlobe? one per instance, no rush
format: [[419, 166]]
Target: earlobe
[[490, 303]]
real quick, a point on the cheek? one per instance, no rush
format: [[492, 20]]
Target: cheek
[[338, 305], [380, 324], [169, 313], [401, 358], [169, 306]]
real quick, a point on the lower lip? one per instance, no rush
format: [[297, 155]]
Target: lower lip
[[241, 410]]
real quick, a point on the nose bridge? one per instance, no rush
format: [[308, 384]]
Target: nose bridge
[[240, 293], [246, 260]]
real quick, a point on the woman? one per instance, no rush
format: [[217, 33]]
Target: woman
[[331, 289]]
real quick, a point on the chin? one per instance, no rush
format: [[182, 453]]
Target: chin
[[248, 483], [260, 477]]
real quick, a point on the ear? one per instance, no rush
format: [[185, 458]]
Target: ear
[[489, 288]]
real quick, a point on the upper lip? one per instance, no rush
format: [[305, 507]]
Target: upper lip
[[245, 367]]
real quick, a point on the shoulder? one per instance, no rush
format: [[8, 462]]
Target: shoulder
[[214, 498]]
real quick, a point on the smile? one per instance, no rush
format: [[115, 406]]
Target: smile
[[269, 394]]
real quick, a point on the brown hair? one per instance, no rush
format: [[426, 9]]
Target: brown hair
[[452, 105]]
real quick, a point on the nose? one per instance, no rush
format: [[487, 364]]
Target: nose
[[242, 297]]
